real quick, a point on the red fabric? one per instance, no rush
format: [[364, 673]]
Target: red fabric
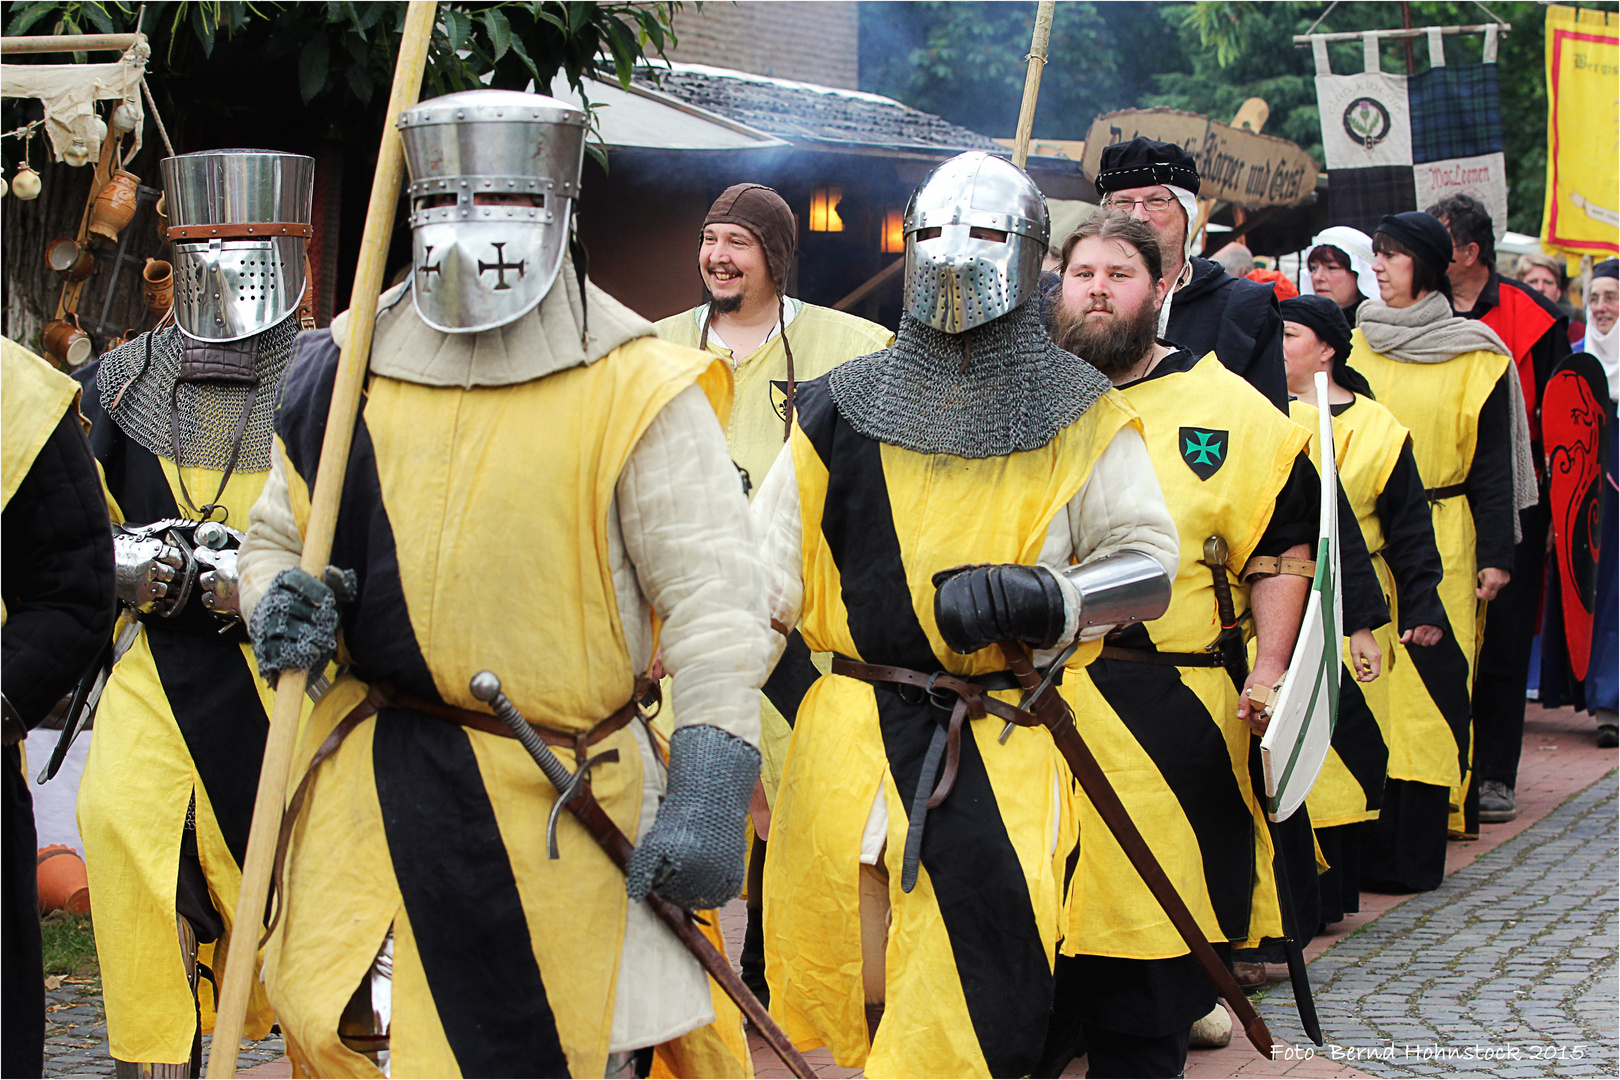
[[1519, 321], [1277, 280]]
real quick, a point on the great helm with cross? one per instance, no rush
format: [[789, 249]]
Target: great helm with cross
[[976, 230], [239, 223], [494, 176]]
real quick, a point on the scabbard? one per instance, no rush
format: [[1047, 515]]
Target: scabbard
[[1114, 815], [1293, 947], [611, 840]]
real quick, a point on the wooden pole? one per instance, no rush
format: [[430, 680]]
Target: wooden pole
[[242, 956], [1032, 81], [44, 43]]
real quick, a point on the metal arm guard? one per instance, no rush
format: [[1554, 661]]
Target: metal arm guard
[[1127, 587]]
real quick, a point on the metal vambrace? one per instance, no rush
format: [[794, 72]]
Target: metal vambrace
[[1127, 587], [695, 853]]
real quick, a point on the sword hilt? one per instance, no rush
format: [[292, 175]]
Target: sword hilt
[[486, 687]]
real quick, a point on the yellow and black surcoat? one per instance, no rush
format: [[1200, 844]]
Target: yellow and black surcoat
[[476, 521], [970, 949], [1456, 413], [183, 720], [1168, 736]]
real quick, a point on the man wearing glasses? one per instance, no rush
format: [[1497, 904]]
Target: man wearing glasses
[[1208, 310]]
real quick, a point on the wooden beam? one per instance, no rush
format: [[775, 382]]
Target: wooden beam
[[1302, 41]]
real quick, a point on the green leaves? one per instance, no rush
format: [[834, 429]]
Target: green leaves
[[313, 63]]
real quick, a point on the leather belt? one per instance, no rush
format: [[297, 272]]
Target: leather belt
[[1163, 659], [1450, 491], [962, 699], [381, 696]]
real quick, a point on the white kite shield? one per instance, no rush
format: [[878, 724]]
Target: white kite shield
[[1297, 741]]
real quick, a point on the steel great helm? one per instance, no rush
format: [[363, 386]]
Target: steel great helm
[[959, 272], [239, 223], [482, 255]]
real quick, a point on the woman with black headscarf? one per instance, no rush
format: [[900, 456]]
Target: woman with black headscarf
[[1443, 378], [1379, 475]]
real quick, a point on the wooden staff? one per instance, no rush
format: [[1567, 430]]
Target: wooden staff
[[241, 957], [1032, 81]]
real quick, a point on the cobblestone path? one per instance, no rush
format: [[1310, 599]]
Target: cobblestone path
[[76, 1033], [1508, 969]]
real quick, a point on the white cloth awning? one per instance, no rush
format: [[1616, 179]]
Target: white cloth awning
[[639, 118]]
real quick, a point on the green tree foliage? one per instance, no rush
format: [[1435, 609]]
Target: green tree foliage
[[344, 52], [965, 62]]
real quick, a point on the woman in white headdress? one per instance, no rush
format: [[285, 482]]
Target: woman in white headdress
[[1339, 265]]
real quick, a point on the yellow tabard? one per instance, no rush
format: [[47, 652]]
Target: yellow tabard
[[138, 780], [1367, 443], [497, 499], [33, 397], [1209, 418], [897, 518], [822, 339], [1440, 405]]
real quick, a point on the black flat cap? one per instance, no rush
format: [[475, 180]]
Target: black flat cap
[[1143, 162]]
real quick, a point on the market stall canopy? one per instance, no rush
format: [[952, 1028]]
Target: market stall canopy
[[641, 118], [1234, 165]]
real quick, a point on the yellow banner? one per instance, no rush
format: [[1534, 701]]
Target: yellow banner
[[1582, 211]]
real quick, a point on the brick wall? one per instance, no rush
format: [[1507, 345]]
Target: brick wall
[[808, 41]]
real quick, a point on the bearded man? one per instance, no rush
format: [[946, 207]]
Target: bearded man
[[424, 928], [745, 255], [970, 485], [1207, 309], [1168, 725]]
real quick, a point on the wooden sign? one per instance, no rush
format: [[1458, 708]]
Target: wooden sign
[[1235, 165]]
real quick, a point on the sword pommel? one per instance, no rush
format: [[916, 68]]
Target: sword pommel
[[485, 686], [1215, 552]]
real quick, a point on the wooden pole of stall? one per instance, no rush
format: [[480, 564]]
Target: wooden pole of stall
[[1032, 81]]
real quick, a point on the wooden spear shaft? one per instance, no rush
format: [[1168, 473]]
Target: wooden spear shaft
[[241, 957], [1032, 81]]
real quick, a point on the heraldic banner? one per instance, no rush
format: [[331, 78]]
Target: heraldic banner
[[1402, 142], [1582, 212]]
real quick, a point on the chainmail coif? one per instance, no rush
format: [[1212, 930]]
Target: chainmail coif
[[1017, 392], [209, 411]]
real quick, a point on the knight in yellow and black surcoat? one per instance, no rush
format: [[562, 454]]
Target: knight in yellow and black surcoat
[[522, 498], [1379, 475], [181, 422], [913, 888]]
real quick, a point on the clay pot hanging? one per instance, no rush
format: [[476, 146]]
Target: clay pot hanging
[[25, 184], [158, 282], [63, 882], [115, 206]]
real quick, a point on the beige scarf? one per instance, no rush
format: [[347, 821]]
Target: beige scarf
[[1428, 332]]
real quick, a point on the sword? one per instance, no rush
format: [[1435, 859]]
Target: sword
[[87, 695], [574, 794], [1237, 666], [1109, 807]]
